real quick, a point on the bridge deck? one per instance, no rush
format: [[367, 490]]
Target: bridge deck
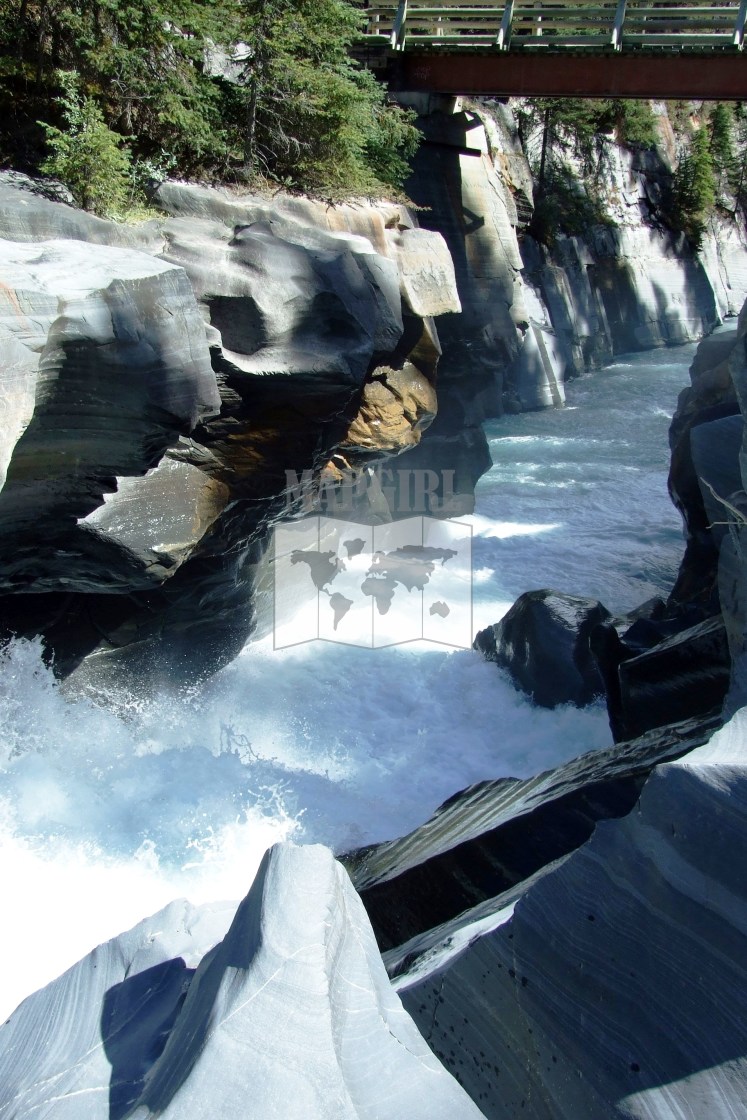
[[546, 25], [627, 48]]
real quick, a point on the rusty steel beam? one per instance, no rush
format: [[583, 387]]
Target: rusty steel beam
[[715, 76]]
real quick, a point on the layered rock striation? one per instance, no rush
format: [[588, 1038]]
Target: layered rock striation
[[282, 1008], [612, 983], [493, 838], [169, 385]]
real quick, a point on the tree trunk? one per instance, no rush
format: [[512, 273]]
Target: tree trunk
[[250, 134], [543, 156]]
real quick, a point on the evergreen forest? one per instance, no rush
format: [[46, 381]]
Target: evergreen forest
[[109, 95]]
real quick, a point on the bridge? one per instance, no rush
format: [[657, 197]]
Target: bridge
[[620, 48]]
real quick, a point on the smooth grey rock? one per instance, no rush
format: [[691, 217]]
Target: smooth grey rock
[[291, 1014], [42, 210], [708, 407], [724, 259], [426, 273], [574, 304], [161, 517], [539, 371], [614, 986], [290, 305], [682, 677], [715, 454], [105, 363], [732, 586], [54, 1049], [655, 291]]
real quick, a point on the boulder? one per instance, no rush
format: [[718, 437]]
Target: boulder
[[426, 272], [543, 643], [395, 409], [289, 1014]]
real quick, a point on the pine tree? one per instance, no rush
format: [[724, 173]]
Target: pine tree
[[312, 117], [305, 115], [694, 188], [721, 128]]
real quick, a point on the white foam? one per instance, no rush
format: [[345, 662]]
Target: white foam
[[109, 812]]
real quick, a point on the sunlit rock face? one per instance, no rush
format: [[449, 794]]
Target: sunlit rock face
[[613, 985], [168, 383], [501, 353], [58, 1044], [626, 282], [104, 364], [490, 840], [290, 1014]]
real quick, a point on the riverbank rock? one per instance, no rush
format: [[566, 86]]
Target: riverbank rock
[[708, 480], [167, 391], [104, 365], [282, 1009], [613, 984], [543, 643], [494, 837]]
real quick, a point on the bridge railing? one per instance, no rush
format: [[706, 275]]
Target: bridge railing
[[549, 25]]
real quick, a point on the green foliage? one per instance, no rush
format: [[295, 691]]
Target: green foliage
[[312, 117], [159, 73], [140, 60], [565, 206], [580, 125], [695, 188], [636, 123], [86, 155], [720, 128]]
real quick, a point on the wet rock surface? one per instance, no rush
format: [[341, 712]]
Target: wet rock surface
[[543, 643], [493, 836]]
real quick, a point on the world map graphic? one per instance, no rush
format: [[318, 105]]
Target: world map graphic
[[409, 567]]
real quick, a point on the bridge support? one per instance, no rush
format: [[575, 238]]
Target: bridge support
[[688, 76]]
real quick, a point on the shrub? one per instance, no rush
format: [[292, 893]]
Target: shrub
[[86, 155]]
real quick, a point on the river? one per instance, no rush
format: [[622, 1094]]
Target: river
[[107, 813]]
